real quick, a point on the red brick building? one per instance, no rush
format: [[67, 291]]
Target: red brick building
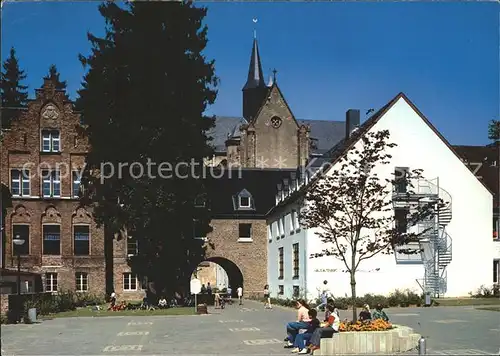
[[42, 155]]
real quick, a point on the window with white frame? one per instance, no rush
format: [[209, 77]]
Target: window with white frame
[[243, 200], [20, 182], [132, 246], [82, 281], [129, 281], [76, 184], [51, 282], [51, 141], [280, 227], [51, 184], [496, 228], [282, 223]]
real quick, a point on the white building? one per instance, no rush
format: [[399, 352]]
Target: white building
[[454, 262]]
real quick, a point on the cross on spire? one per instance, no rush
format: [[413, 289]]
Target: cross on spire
[[274, 75]]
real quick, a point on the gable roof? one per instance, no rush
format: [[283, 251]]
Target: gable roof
[[325, 134], [341, 149], [343, 146]]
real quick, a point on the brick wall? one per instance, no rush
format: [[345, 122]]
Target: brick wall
[[4, 304], [249, 257], [21, 149]]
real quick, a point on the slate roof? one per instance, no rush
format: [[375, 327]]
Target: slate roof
[[260, 183], [486, 159], [325, 134]]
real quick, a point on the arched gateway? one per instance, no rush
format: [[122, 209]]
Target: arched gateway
[[239, 201]]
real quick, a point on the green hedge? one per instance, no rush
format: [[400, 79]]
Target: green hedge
[[396, 299], [47, 303]]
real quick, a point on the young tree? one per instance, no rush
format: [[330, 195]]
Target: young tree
[[14, 93], [54, 76], [352, 208], [494, 130], [143, 102]]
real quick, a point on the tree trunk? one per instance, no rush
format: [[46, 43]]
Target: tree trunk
[[353, 295]]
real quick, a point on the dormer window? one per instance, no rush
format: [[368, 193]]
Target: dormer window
[[199, 201], [51, 141], [243, 201]]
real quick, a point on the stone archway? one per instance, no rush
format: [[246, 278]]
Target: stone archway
[[234, 274]]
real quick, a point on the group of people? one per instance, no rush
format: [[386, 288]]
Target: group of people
[[366, 314], [220, 300], [304, 335]]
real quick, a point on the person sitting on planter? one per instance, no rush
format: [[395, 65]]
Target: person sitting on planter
[[302, 322], [326, 329], [365, 314], [301, 340], [380, 314]]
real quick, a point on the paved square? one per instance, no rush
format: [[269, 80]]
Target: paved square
[[449, 331]]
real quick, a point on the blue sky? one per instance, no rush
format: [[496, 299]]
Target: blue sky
[[330, 56]]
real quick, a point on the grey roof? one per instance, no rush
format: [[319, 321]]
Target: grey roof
[[325, 134]]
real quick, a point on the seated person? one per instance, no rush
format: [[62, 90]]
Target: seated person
[[365, 314], [326, 329], [162, 303], [302, 322], [380, 314], [301, 340]]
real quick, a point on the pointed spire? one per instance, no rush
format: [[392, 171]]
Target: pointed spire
[[255, 76], [270, 84]]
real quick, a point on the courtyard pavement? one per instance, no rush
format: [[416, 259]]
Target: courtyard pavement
[[248, 330]]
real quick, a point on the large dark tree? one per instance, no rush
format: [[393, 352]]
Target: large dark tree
[[14, 93], [54, 76], [144, 99]]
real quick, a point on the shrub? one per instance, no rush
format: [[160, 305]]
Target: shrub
[[395, 299], [486, 292]]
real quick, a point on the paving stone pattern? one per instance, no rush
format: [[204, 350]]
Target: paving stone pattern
[[256, 331]]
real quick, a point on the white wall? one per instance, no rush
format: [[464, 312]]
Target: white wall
[[274, 243], [470, 228]]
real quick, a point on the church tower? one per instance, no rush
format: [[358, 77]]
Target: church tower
[[255, 89]]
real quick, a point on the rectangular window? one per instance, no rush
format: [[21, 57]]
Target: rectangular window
[[51, 141], [296, 291], [281, 290], [132, 246], [129, 281], [81, 243], [496, 271], [401, 220], [51, 184], [244, 202], [245, 231], [51, 239], [51, 282], [280, 262], [20, 182], [82, 281], [293, 218], [400, 179], [296, 260], [199, 201], [496, 228], [21, 232], [76, 189]]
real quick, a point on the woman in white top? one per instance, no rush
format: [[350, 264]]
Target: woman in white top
[[240, 294]]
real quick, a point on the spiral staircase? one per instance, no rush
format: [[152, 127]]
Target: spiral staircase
[[435, 244]]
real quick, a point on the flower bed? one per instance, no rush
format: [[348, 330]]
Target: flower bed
[[373, 325]]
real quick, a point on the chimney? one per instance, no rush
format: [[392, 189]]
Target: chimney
[[351, 121]]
